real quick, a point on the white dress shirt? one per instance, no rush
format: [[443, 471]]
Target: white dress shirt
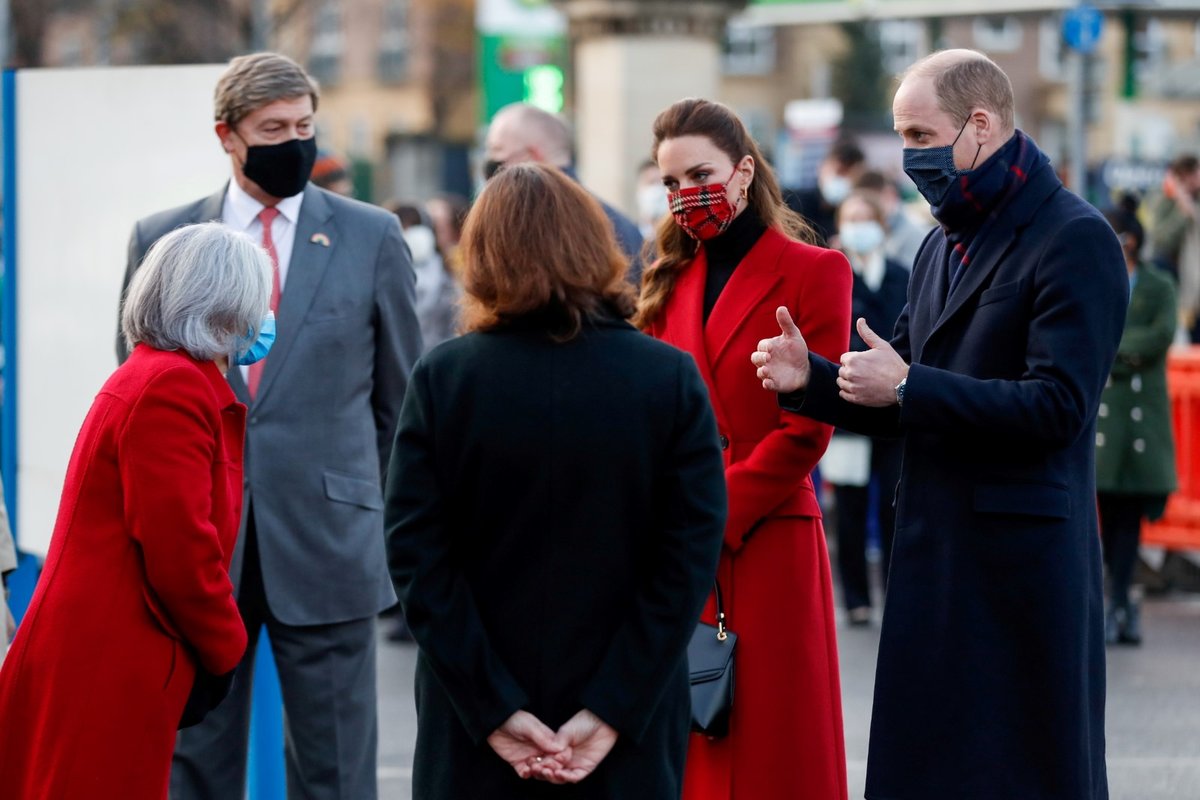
[[240, 212]]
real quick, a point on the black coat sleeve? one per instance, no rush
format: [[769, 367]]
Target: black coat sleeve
[[1082, 293], [635, 671], [438, 604]]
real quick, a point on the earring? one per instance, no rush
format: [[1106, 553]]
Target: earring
[[745, 192]]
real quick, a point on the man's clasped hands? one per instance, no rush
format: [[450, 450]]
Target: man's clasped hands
[[568, 756]]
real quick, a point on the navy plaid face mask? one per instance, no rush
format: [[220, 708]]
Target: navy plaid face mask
[[932, 168]]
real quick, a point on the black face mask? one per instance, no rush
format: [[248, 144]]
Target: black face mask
[[491, 167], [281, 170]]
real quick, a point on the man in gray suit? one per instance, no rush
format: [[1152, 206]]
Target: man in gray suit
[[310, 561]]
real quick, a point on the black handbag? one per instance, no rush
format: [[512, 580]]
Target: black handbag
[[710, 670]]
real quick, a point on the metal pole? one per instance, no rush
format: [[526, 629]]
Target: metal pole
[[1078, 123]]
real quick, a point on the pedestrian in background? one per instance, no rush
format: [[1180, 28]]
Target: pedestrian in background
[[520, 132], [332, 173], [134, 610], [1175, 237], [852, 462], [447, 212], [729, 255], [550, 563], [990, 682], [836, 175], [651, 199], [437, 288], [310, 564], [904, 235], [1135, 451]]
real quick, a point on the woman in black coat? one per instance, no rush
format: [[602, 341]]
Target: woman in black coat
[[555, 508]]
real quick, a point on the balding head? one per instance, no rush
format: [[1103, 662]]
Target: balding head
[[521, 132], [956, 98], [964, 80]]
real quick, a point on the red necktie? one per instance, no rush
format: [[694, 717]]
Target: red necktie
[[266, 217]]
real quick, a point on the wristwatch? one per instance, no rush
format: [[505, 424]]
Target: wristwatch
[[900, 391]]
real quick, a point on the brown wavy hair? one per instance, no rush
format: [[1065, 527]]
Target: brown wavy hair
[[537, 248], [674, 248]]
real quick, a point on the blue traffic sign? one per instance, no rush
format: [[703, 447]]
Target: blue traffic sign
[[1082, 27]]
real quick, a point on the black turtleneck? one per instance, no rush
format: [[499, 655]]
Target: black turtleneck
[[725, 252]]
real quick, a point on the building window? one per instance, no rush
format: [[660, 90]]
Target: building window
[[325, 55], [997, 34], [903, 43], [394, 46], [1052, 53], [749, 50]]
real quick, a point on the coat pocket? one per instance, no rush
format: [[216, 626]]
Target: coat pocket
[[1023, 499], [354, 491], [998, 293]]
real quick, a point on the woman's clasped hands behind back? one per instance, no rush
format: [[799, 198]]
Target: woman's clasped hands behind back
[[566, 756]]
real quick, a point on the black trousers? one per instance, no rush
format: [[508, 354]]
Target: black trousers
[[1120, 532], [853, 507]]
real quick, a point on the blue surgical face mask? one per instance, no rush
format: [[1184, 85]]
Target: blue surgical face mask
[[932, 168], [257, 344], [861, 237]]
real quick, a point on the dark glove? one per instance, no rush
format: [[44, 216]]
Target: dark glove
[[207, 693]]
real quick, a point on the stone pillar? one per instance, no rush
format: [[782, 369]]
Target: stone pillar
[[632, 59]]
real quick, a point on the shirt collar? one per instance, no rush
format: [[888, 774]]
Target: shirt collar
[[242, 209]]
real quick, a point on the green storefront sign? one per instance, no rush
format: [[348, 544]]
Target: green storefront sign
[[522, 55]]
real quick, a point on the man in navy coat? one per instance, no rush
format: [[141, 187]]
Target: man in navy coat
[[990, 683]]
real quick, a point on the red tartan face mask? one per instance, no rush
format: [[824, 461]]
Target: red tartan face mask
[[703, 211]]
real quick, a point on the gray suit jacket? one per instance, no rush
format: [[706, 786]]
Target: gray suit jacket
[[319, 432]]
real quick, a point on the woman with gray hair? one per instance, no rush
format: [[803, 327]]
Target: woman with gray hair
[[133, 630]]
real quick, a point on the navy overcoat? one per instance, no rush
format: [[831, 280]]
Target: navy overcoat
[[990, 682]]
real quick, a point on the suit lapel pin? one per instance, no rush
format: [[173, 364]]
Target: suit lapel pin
[[320, 238]]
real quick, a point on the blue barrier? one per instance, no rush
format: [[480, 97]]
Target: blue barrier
[[266, 771]]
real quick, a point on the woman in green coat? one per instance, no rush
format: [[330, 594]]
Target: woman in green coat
[[1135, 455]]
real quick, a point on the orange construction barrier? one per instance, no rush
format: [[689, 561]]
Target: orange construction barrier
[[1179, 528]]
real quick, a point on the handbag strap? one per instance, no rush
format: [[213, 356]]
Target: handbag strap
[[722, 635]]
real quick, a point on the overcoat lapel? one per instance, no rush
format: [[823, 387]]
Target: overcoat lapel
[[212, 207], [310, 260], [687, 313], [999, 238], [752, 281]]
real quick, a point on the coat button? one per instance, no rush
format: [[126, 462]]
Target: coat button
[[1136, 414], [1099, 440], [1139, 445], [724, 442], [1136, 383], [1104, 409]]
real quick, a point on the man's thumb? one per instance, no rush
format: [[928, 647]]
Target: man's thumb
[[785, 322], [869, 336]]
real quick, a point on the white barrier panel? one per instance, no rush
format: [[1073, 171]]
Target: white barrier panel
[[97, 149]]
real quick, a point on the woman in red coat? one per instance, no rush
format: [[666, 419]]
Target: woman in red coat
[[134, 612], [729, 256]]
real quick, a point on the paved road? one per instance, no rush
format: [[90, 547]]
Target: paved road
[[1153, 708]]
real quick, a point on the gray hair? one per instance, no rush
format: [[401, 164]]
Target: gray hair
[[256, 80], [201, 289]]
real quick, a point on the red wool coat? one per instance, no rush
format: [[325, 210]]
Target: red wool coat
[[135, 589], [786, 737]]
